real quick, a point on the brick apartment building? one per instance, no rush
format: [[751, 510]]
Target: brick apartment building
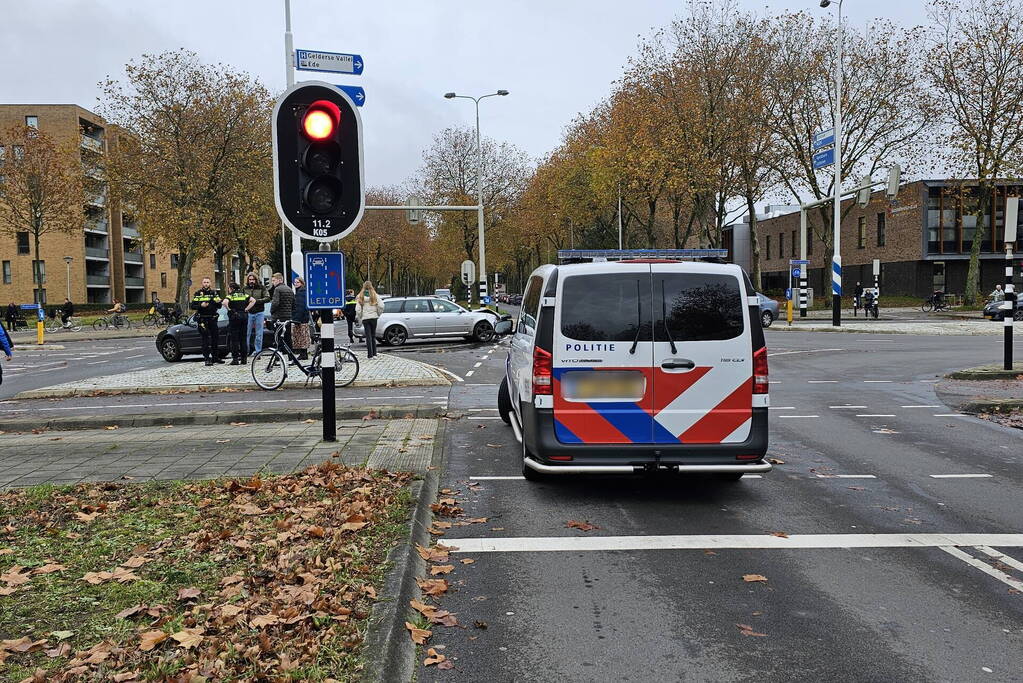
[[922, 238], [109, 259]]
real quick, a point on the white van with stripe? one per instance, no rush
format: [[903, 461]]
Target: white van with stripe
[[647, 362]]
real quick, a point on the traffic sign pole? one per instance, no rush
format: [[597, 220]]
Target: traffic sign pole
[[1009, 307], [802, 257], [325, 288]]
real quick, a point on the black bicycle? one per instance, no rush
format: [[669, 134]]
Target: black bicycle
[[270, 366], [935, 302]]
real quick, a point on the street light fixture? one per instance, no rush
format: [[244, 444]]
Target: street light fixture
[[836, 259], [479, 186], [68, 260]]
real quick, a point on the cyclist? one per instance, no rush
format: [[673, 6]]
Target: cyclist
[[236, 303], [117, 311], [67, 310], [7, 346], [206, 304]]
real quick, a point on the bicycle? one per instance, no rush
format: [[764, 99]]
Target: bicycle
[[935, 302], [117, 321], [270, 366], [74, 324]]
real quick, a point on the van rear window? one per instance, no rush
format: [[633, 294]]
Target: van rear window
[[606, 307], [697, 307]]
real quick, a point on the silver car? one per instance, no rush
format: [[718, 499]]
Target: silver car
[[426, 316]]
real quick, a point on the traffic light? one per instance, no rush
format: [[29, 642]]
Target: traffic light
[[317, 154]]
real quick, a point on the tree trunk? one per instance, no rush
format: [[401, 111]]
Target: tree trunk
[[37, 276], [220, 276], [972, 293], [754, 260], [186, 256]]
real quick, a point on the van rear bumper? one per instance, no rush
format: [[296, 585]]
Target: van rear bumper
[[541, 443]]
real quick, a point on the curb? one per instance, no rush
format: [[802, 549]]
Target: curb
[[388, 652], [143, 335], [803, 328], [1003, 405], [387, 412], [38, 347], [987, 372]]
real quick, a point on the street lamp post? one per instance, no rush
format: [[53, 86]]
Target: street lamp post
[[836, 260], [479, 187], [67, 261]]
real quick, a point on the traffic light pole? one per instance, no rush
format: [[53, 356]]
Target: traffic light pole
[[327, 368], [289, 70], [1009, 307]]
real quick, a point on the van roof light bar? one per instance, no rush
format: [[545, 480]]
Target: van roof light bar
[[596, 255]]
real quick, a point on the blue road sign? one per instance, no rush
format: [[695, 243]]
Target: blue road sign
[[325, 279], [825, 157], [357, 94], [788, 293], [796, 272], [798, 262], [825, 138], [330, 62]]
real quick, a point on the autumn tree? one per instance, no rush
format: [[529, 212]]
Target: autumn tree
[[196, 140], [975, 63], [41, 189]]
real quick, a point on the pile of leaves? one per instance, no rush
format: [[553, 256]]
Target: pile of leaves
[[267, 579]]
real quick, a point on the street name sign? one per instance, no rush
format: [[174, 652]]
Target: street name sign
[[331, 62], [324, 279], [825, 157], [798, 262], [825, 138], [357, 94]]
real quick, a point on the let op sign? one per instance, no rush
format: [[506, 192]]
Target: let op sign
[[325, 279]]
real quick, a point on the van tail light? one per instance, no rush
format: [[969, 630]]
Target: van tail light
[[760, 371], [543, 370]]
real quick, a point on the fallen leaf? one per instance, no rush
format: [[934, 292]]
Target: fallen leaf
[[23, 644], [238, 424], [444, 618], [111, 427], [422, 607], [709, 552], [309, 421], [775, 461], [188, 638], [223, 440], [480, 624], [353, 526], [434, 554], [129, 611], [127, 676], [316, 531], [264, 620], [446, 664], [433, 658], [62, 635], [467, 560], [48, 569], [135, 562], [86, 516], [441, 569], [747, 630], [433, 586], [151, 639], [188, 593], [779, 534], [581, 526], [96, 578], [751, 578], [419, 635]]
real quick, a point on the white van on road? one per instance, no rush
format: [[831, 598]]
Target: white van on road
[[638, 364]]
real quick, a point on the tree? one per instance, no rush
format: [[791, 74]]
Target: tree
[[41, 189], [195, 144], [975, 64]]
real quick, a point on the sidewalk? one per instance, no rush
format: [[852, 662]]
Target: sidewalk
[[188, 452], [386, 369], [952, 327]]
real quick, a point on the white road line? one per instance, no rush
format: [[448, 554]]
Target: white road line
[[845, 407], [484, 417], [982, 566], [470, 373], [97, 362], [930, 381], [141, 355], [960, 476], [846, 476], [745, 542], [919, 406], [482, 384], [752, 476], [876, 415], [822, 381], [796, 416], [788, 353], [781, 407], [774, 381], [950, 415], [482, 410], [1001, 557], [877, 381], [478, 364], [515, 478]]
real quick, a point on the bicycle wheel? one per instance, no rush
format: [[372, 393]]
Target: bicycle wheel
[[269, 369], [53, 325], [346, 367], [101, 324], [927, 306], [76, 325], [151, 320]]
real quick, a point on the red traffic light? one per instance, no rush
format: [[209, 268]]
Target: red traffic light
[[320, 120]]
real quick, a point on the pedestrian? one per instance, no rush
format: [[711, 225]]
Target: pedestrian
[[349, 313], [7, 345], [300, 322], [857, 296], [282, 301], [998, 294], [237, 303], [256, 312], [206, 304], [368, 310], [12, 316], [67, 310]]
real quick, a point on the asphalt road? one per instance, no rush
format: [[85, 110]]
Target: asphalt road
[[865, 447]]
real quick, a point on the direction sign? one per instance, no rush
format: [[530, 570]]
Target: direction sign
[[796, 272], [332, 62], [825, 157], [325, 279], [357, 94], [825, 138], [468, 272]]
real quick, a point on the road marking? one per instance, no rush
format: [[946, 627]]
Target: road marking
[[724, 541], [781, 407], [875, 415], [141, 355], [796, 416], [846, 476], [982, 566], [484, 417], [787, 353], [822, 381], [1001, 557], [97, 362], [481, 410], [774, 381], [845, 407], [472, 384], [478, 364], [919, 406], [877, 381], [960, 476], [470, 373], [515, 478], [950, 415]]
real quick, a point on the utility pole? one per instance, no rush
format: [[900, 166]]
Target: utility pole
[[1009, 307], [836, 259], [806, 263], [289, 72], [620, 215]]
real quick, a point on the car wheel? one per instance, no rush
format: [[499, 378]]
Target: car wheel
[[170, 350], [395, 335], [766, 318], [483, 332], [504, 404]]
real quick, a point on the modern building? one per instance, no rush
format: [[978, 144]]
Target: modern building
[[103, 258], [922, 239]]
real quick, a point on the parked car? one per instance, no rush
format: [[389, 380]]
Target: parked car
[[993, 310], [178, 341], [768, 310], [444, 294], [638, 366], [420, 317], [515, 299]]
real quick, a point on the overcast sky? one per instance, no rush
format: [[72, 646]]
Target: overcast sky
[[557, 57]]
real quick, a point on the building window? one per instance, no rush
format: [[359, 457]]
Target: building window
[[792, 245], [40, 296], [32, 122], [163, 279], [781, 245], [23, 243], [3, 155], [19, 152], [152, 261], [39, 272], [861, 232], [767, 246], [7, 272], [881, 218], [174, 260]]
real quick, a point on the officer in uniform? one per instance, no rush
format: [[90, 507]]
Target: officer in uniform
[[349, 312], [237, 323], [206, 304]]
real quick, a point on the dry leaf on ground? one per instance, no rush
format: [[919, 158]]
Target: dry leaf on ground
[[441, 569], [581, 526], [419, 635], [747, 630], [433, 586], [751, 578], [432, 657]]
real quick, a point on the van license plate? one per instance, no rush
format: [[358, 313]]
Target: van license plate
[[603, 385]]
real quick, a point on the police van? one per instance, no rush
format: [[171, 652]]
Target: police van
[[627, 361]]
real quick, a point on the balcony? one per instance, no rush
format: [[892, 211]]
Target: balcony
[[96, 199], [136, 282], [99, 225], [130, 230], [133, 257], [97, 280], [92, 144], [97, 253]]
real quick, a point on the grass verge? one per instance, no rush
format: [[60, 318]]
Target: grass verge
[[265, 579]]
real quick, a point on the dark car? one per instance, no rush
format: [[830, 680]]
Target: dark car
[[182, 340], [515, 299], [994, 311]]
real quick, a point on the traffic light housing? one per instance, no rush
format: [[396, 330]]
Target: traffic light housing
[[317, 154]]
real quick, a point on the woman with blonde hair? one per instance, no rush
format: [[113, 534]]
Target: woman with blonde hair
[[367, 310]]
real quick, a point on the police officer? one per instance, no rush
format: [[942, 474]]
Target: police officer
[[349, 312], [236, 304], [206, 304]]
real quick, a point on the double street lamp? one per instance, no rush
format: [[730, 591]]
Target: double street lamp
[[479, 186]]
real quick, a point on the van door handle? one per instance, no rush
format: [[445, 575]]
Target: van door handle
[[678, 364]]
